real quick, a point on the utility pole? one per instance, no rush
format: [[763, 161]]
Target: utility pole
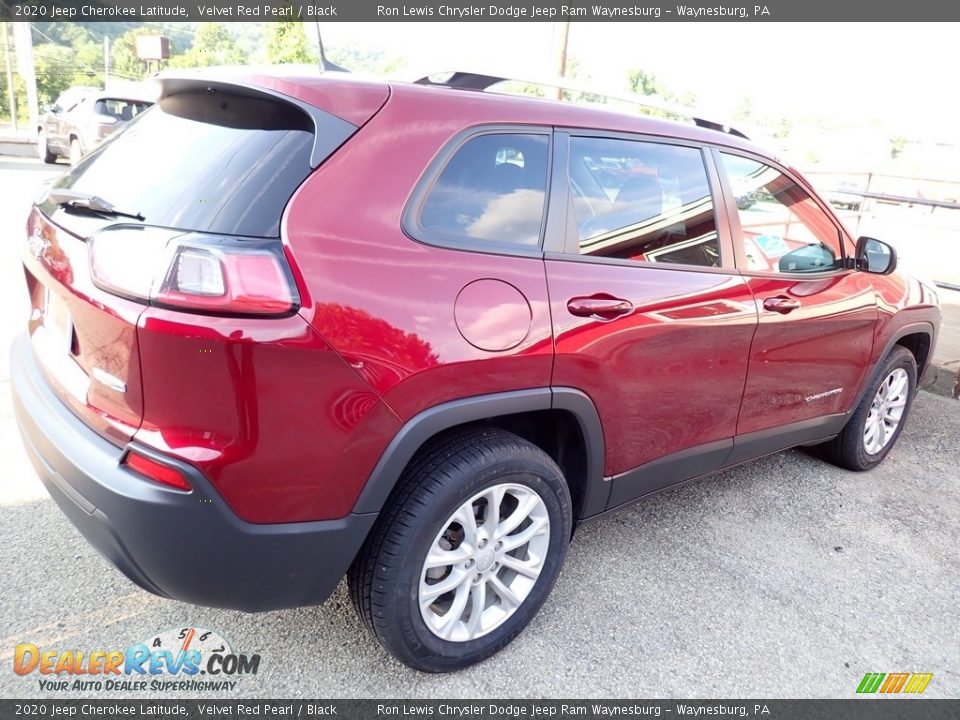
[[106, 62], [564, 30], [11, 94], [23, 35]]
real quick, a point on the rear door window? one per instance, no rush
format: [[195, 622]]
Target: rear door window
[[208, 162], [642, 201]]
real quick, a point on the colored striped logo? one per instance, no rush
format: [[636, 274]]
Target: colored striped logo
[[914, 683]]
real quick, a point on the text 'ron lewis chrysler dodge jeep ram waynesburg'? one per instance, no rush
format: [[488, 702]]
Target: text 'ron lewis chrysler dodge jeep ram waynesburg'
[[287, 328]]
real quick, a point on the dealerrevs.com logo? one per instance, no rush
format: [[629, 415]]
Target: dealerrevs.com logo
[[187, 659]]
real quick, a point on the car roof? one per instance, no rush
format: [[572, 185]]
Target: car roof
[[131, 96], [520, 109], [483, 106]]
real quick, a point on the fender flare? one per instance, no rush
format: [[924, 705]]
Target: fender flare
[[921, 326], [423, 426]]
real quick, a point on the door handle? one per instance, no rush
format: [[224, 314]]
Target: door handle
[[603, 307], [780, 304]]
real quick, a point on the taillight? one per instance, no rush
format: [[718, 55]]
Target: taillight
[[194, 272], [156, 471]]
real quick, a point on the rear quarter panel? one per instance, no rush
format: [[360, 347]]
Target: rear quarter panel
[[386, 302]]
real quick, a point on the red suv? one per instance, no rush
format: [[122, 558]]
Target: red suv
[[290, 328]]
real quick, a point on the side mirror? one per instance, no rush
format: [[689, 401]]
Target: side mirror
[[875, 256]]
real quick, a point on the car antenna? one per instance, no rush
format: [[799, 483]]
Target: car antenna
[[326, 65]]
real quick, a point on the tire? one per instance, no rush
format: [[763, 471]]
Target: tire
[[76, 152], [896, 380], [43, 149], [396, 594]]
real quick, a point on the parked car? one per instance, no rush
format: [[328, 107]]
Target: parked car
[[81, 118], [292, 328]]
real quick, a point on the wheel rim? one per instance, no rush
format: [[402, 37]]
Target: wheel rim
[[75, 153], [484, 562], [886, 411]]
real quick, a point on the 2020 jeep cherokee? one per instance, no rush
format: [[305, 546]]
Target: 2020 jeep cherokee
[[290, 328]]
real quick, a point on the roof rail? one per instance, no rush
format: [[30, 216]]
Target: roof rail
[[479, 81]]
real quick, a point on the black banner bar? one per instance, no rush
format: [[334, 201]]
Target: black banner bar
[[478, 11], [852, 709]]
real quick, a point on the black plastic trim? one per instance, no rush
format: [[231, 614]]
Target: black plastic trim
[[694, 463], [667, 471], [771, 440], [420, 428], [596, 491], [185, 545], [925, 327]]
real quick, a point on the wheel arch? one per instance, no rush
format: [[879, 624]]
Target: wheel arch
[[917, 337], [561, 421]]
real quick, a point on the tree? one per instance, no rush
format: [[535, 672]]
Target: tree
[[644, 83], [287, 43], [124, 62], [897, 146], [212, 45]]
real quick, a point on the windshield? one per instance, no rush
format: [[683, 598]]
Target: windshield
[[208, 162]]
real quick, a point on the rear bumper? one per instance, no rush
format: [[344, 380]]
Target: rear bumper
[[186, 546]]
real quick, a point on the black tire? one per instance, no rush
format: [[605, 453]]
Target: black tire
[[385, 578], [43, 149], [848, 449]]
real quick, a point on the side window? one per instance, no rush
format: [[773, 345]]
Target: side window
[[492, 189], [642, 201], [783, 229]]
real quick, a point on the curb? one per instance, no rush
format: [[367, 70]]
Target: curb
[[942, 379], [17, 148]]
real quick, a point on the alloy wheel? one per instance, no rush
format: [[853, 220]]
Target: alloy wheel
[[886, 411], [484, 562]]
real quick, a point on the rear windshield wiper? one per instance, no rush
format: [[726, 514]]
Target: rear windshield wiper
[[86, 201]]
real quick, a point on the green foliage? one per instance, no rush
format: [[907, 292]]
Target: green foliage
[[124, 62], [212, 45], [359, 60], [644, 83], [287, 43], [897, 145]]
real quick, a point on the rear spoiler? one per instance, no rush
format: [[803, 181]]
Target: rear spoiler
[[325, 125]]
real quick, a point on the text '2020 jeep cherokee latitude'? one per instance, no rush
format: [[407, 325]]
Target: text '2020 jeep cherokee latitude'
[[290, 328]]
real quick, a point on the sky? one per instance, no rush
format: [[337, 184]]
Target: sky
[[901, 74]]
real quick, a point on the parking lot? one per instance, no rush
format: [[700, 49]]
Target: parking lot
[[785, 577]]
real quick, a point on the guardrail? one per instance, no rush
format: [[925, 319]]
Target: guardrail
[[897, 199], [924, 230]]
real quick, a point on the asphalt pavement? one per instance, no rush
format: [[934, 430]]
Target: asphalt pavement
[[785, 577]]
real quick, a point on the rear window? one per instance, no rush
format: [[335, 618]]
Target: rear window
[[207, 162], [119, 109]]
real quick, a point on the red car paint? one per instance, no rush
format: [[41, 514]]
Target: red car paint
[[288, 416]]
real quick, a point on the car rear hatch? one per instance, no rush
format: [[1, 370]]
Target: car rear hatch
[[182, 210]]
